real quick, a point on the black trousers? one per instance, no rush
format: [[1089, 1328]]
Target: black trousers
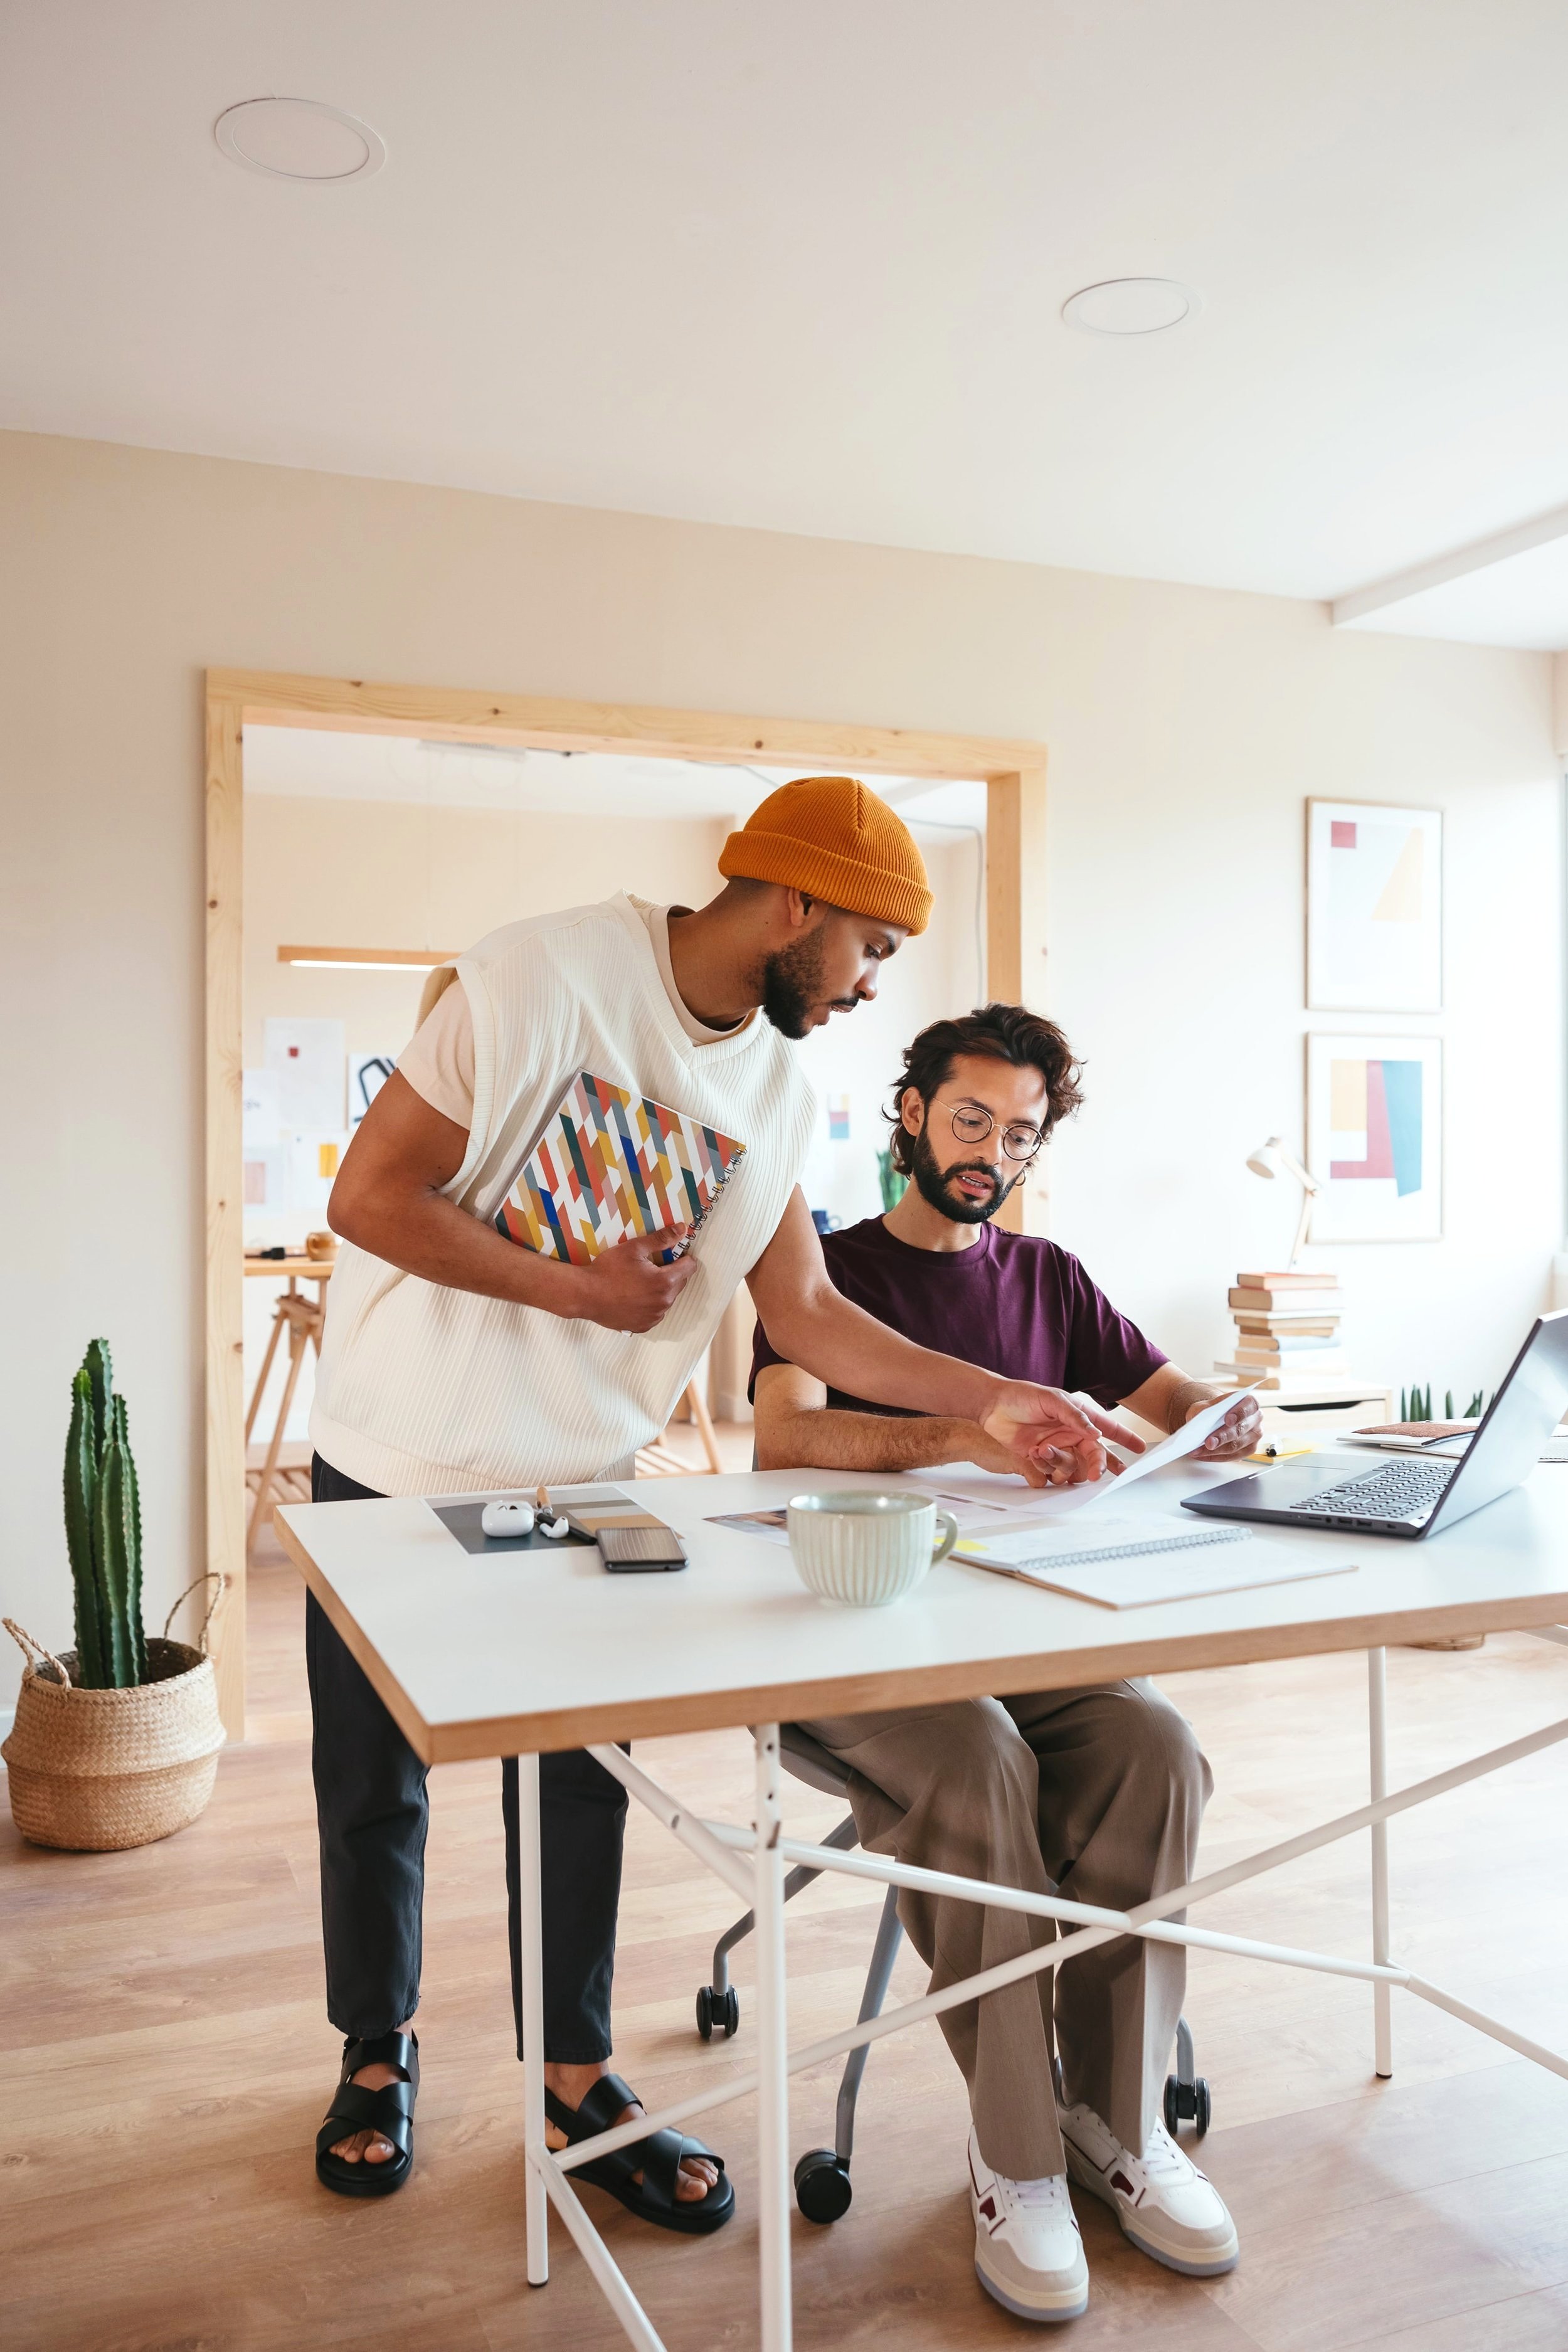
[[372, 1811]]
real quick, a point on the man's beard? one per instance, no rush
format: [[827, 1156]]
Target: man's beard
[[934, 1182], [792, 985]]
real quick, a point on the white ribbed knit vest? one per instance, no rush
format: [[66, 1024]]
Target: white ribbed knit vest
[[422, 1390]]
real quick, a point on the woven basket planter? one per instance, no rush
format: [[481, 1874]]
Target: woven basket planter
[[92, 1770]]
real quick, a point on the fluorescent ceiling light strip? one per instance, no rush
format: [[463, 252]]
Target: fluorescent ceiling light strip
[[366, 959]]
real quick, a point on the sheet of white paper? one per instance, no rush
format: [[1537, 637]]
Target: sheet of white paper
[[266, 1178], [261, 1115], [1186, 1440], [979, 1499], [313, 1161], [310, 1061]]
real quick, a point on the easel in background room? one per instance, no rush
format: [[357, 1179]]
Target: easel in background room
[[274, 1480], [658, 1458]]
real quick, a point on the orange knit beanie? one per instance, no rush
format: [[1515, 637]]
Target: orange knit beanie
[[834, 839]]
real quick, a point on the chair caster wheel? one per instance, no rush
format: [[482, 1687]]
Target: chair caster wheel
[[718, 2009], [1190, 2100], [821, 2188]]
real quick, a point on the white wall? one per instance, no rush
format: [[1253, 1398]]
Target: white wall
[[1178, 975], [1185, 728]]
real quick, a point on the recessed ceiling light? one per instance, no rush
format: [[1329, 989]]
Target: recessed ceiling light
[[298, 138], [1131, 306]]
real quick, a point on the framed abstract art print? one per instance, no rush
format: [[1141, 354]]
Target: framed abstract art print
[[1374, 1137], [1375, 908]]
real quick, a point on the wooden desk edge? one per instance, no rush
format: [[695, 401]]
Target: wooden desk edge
[[386, 1686], [546, 1732]]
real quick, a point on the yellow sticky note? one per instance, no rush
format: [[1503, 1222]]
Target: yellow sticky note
[[326, 1159]]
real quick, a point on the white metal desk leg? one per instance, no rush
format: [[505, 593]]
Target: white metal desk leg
[[772, 2055], [1378, 1726], [536, 2205]]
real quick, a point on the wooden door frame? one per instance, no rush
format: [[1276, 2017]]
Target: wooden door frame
[[1014, 774]]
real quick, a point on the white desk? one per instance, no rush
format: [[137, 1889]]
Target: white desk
[[519, 1655]]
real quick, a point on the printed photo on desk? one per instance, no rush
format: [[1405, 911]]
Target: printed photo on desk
[[1374, 1137]]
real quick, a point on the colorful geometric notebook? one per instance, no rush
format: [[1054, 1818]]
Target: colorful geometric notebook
[[610, 1165]]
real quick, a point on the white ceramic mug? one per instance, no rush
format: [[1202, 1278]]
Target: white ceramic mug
[[864, 1549]]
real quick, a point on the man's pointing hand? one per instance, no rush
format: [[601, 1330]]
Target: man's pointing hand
[[1062, 1436]]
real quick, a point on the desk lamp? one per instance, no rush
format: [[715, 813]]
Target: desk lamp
[[1267, 1160]]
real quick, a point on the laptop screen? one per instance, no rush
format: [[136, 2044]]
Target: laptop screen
[[1519, 1421]]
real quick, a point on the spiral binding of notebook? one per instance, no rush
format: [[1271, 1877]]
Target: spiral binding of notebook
[[1019, 1562], [1138, 1550]]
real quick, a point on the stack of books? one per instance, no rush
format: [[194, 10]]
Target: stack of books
[[1287, 1329]]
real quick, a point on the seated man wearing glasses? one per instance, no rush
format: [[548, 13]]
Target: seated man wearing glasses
[[1098, 1791]]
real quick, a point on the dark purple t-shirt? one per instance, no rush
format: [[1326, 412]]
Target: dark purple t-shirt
[[1012, 1303]]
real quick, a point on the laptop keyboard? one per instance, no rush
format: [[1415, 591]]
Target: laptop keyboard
[[1397, 1492]]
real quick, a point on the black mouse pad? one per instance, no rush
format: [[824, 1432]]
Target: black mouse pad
[[464, 1521]]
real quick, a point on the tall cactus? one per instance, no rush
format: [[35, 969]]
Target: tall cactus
[[99, 1367], [82, 1495], [103, 1531]]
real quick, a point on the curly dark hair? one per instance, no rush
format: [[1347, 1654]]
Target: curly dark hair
[[1008, 1032]]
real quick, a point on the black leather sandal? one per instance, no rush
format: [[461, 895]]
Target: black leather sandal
[[657, 2158], [389, 2111]]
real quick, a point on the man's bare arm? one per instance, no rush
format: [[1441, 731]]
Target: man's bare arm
[[1169, 1397], [797, 1429], [388, 1199], [815, 1326]]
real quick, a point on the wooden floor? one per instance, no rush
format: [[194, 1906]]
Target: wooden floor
[[166, 2060]]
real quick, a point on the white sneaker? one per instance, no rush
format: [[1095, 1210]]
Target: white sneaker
[[1164, 2204], [1028, 2251]]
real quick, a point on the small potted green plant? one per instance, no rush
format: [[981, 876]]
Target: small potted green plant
[[893, 1183], [115, 1742]]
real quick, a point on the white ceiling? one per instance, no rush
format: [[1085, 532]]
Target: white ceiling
[[1511, 591], [803, 268], [311, 763]]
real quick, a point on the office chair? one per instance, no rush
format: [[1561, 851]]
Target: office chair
[[822, 2187]]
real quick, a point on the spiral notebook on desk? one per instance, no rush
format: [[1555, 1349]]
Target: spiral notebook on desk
[[611, 1165], [1134, 1563]]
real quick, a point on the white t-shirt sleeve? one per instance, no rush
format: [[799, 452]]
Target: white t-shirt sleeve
[[438, 1061]]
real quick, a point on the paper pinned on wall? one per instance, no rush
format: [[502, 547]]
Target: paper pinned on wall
[[260, 1114], [312, 1163], [368, 1073], [265, 1177], [309, 1058], [838, 1118]]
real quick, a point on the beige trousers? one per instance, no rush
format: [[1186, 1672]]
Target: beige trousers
[[1099, 1791]]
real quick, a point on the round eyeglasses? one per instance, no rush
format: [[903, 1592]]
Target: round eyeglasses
[[973, 1125]]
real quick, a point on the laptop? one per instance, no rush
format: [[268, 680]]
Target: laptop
[[1414, 1496]]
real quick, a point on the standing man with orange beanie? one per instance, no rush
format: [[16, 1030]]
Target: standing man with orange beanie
[[453, 1361]]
